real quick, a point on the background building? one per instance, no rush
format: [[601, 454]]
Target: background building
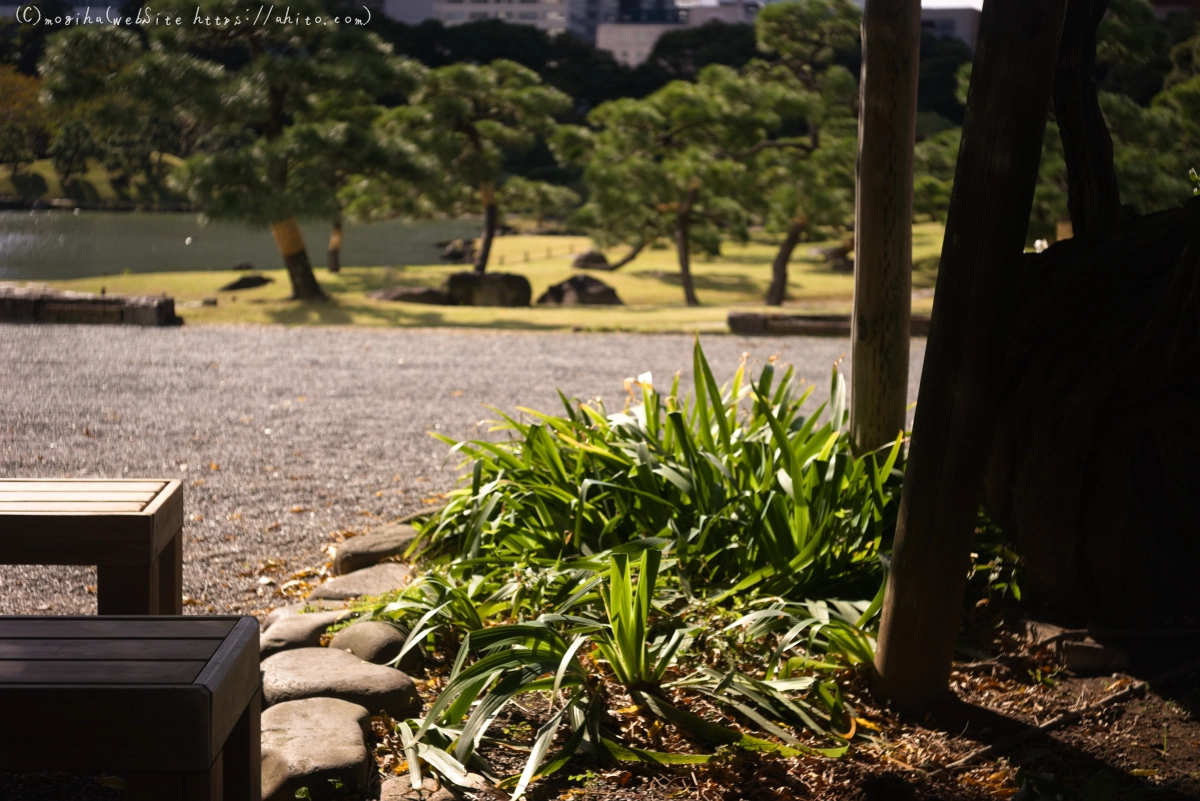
[[410, 12], [578, 17]]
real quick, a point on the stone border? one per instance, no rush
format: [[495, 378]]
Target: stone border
[[809, 325]]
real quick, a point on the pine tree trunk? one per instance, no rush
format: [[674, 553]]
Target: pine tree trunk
[[959, 400], [880, 324], [335, 247], [487, 191], [290, 243], [630, 256], [777, 292], [683, 221], [1093, 471], [1092, 194]]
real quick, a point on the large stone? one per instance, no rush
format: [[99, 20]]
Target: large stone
[[590, 260], [280, 612], [413, 294], [399, 788], [314, 743], [377, 642], [362, 583], [489, 289], [372, 548], [580, 290], [297, 631], [330, 673]]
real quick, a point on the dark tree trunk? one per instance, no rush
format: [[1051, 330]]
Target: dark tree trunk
[[779, 268], [335, 247], [958, 402], [1095, 463], [630, 256], [487, 191], [683, 221], [1092, 193], [290, 243]]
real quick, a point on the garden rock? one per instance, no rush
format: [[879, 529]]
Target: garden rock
[[247, 282], [489, 289], [330, 673], [297, 631], [376, 642], [590, 260], [413, 294], [458, 251], [308, 743], [399, 788], [372, 548], [581, 290], [361, 583], [279, 613]]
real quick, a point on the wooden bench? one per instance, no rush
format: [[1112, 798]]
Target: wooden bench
[[170, 704], [131, 530]]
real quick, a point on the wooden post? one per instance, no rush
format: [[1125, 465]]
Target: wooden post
[[887, 125], [957, 404]]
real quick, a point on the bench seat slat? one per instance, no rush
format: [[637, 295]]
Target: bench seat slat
[[97, 672], [114, 628], [80, 485], [78, 496], [139, 650], [83, 507]]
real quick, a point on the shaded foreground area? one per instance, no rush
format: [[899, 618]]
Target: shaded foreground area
[[284, 436]]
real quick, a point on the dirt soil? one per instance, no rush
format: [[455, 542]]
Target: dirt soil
[[1144, 747]]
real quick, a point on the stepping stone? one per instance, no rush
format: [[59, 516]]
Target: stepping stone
[[297, 631], [377, 642], [308, 743], [372, 548], [329, 673], [375, 580], [400, 788], [279, 613]]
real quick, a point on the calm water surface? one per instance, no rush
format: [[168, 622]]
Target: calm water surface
[[46, 245]]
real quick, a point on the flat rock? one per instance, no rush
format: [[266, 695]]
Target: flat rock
[[373, 547], [399, 788], [361, 583], [330, 673], [307, 743], [279, 613], [297, 631], [377, 642]]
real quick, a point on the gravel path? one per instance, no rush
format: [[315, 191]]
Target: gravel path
[[284, 436]]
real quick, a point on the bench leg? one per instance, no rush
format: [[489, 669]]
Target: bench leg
[[170, 577], [153, 589], [127, 589], [200, 786], [243, 755]]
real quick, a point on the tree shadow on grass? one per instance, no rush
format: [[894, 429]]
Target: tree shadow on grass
[[395, 314], [720, 282], [29, 184]]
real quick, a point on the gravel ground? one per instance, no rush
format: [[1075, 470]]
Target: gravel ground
[[284, 436]]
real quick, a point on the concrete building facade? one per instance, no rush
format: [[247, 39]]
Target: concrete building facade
[[578, 17]]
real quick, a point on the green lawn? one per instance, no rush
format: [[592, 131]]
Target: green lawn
[[41, 181], [649, 286]]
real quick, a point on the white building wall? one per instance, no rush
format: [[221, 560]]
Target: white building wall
[[631, 42], [410, 12], [579, 17]]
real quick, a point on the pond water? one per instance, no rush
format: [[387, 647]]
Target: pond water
[[49, 245]]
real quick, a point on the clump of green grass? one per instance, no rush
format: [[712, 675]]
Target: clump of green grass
[[710, 560]]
